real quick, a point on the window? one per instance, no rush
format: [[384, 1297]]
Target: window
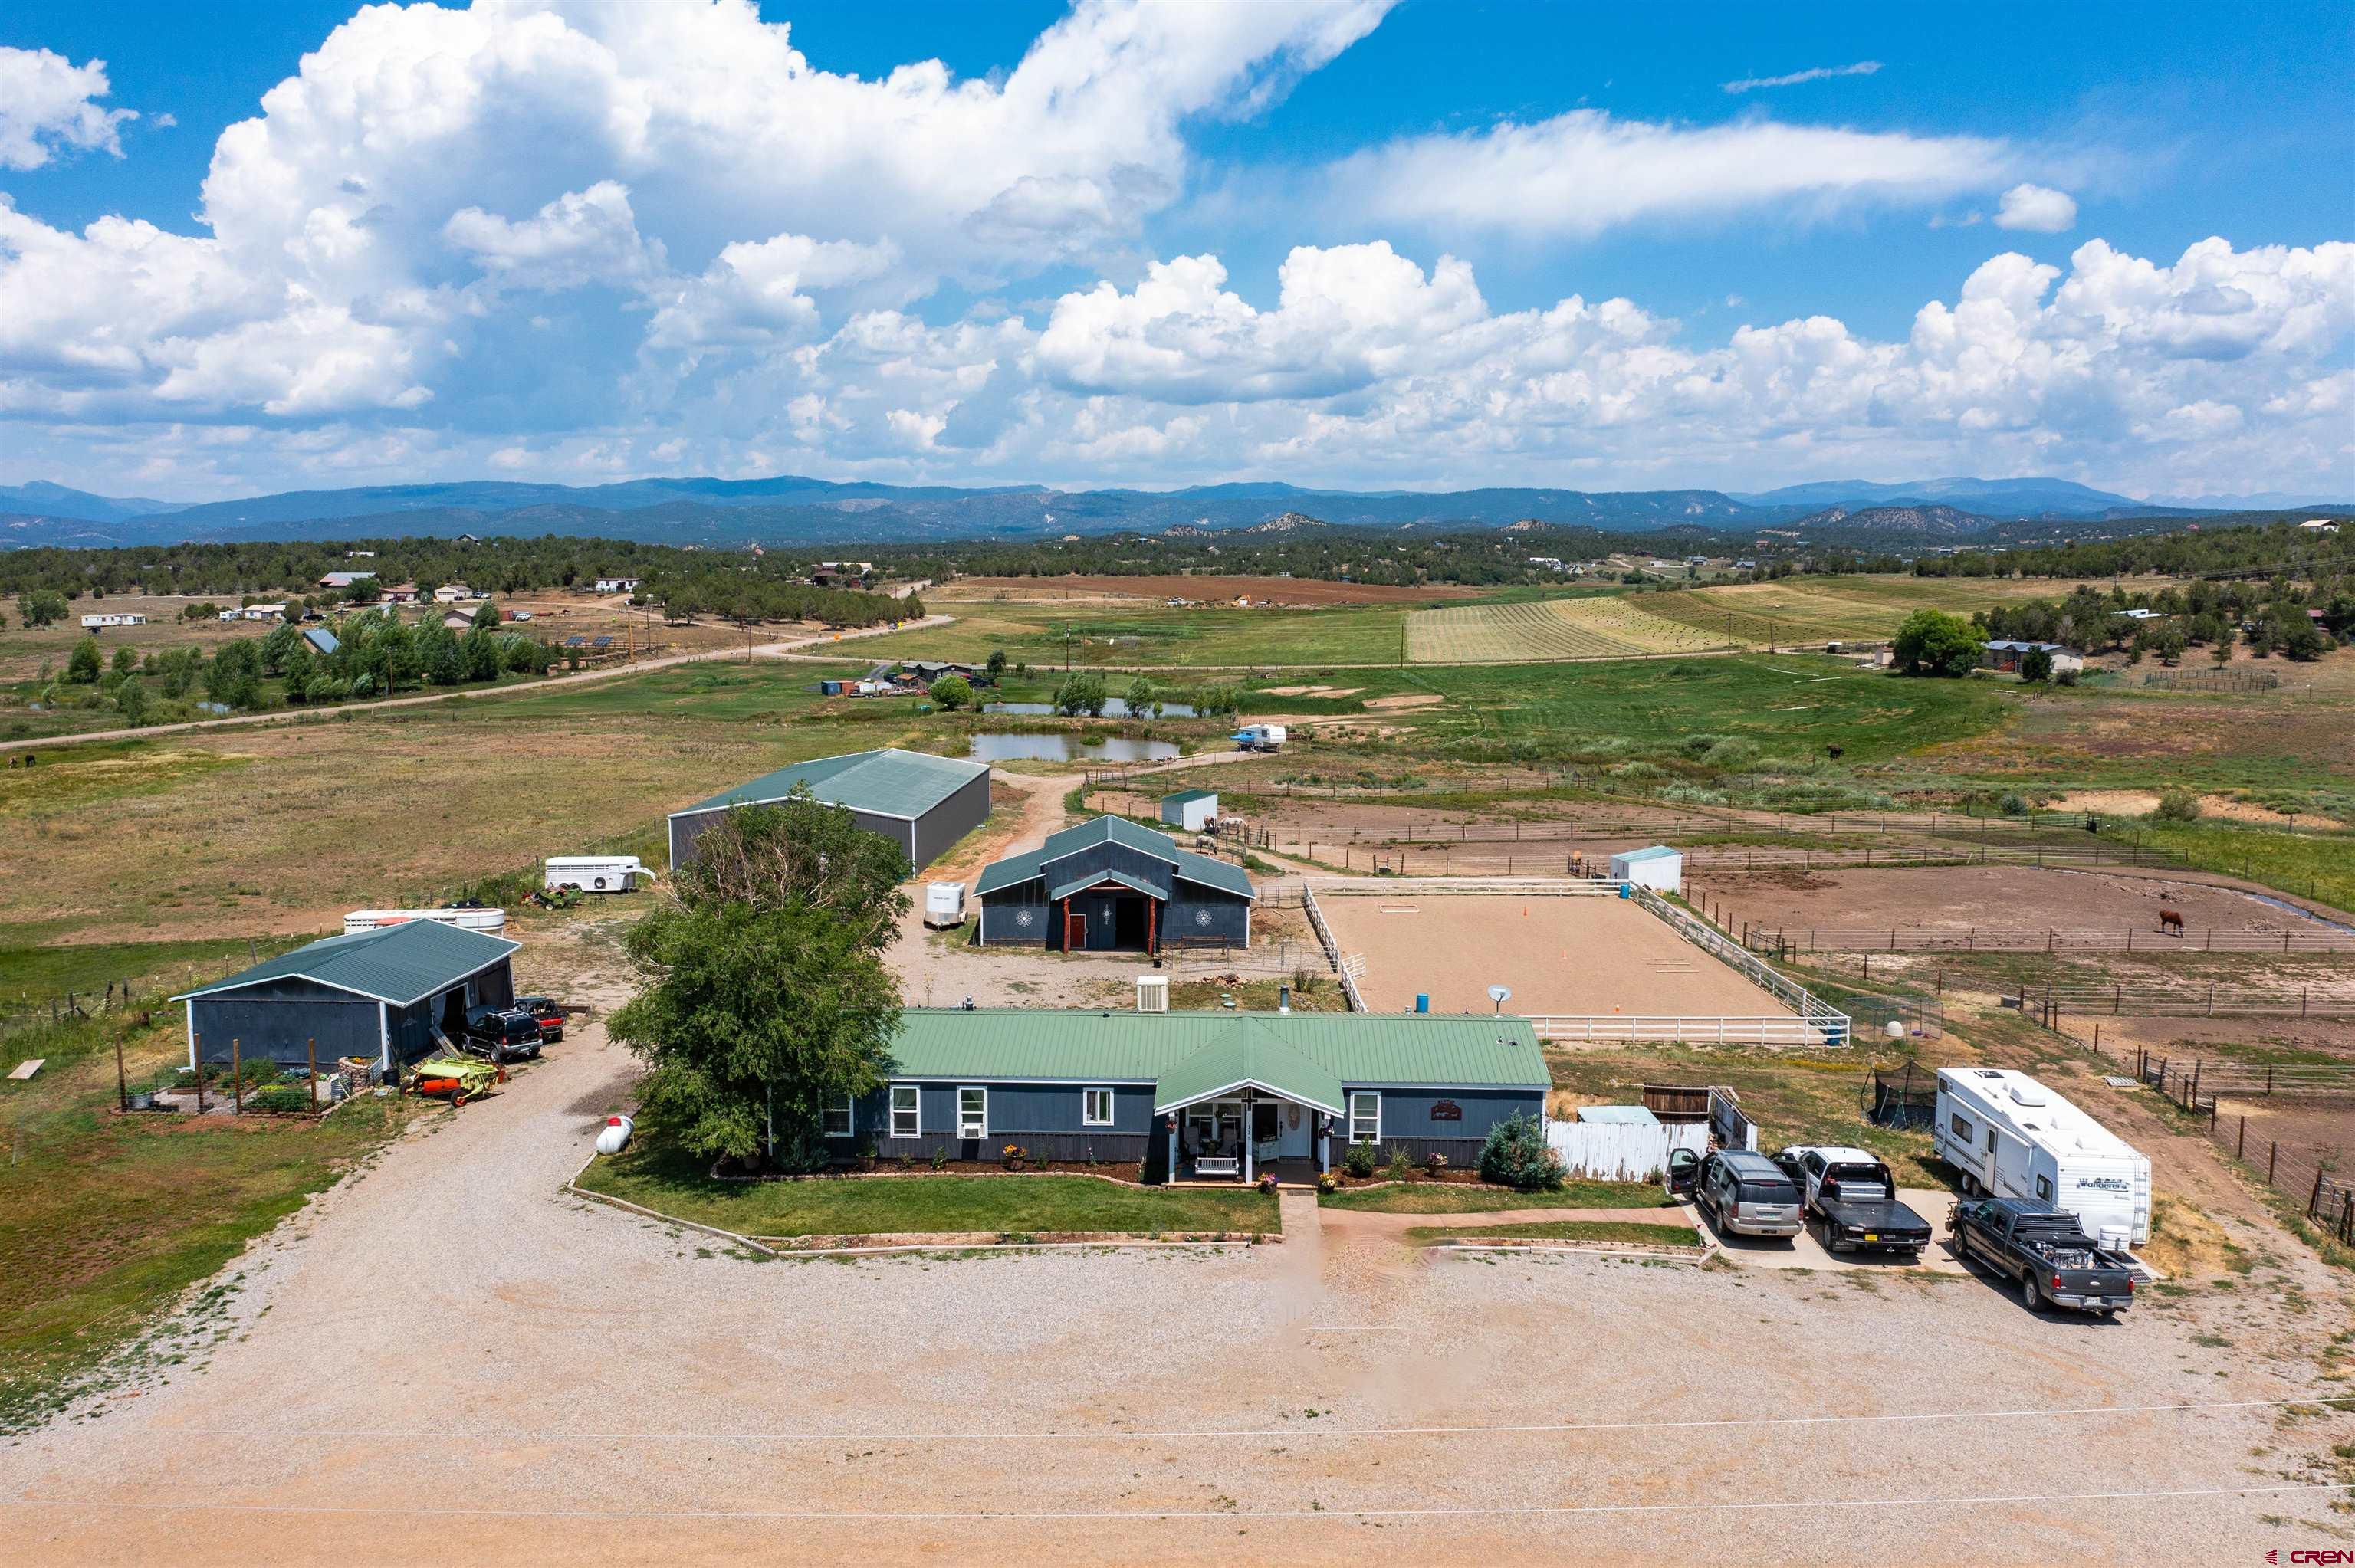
[[2044, 1188], [907, 1120], [973, 1113], [1095, 1108], [1365, 1116], [1961, 1125], [835, 1120]]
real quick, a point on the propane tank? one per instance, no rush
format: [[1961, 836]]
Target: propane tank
[[614, 1135]]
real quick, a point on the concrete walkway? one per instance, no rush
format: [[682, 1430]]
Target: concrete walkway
[[779, 650]]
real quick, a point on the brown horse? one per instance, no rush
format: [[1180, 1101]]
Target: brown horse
[[2171, 922]]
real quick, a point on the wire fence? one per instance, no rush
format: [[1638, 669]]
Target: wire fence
[[2053, 1002], [2024, 940]]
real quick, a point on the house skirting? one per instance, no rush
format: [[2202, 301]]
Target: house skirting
[[1462, 1152]]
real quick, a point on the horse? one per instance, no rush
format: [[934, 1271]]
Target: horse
[[2170, 922]]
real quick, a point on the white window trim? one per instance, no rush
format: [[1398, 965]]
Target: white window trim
[[962, 1090], [916, 1110], [849, 1109], [1085, 1096], [1375, 1095]]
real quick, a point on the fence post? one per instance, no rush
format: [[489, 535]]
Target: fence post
[[2271, 1155], [121, 1082], [236, 1078], [2315, 1197], [2241, 1144], [311, 1048]]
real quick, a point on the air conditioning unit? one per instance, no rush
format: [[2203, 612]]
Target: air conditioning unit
[[1153, 993]]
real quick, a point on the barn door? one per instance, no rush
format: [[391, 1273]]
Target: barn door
[[1075, 931]]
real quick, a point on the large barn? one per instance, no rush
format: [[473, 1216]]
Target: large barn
[[921, 802], [383, 994], [1109, 886]]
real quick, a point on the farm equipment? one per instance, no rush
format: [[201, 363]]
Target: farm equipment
[[456, 1079]]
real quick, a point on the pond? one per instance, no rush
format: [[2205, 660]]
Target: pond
[[1068, 748], [1114, 707]]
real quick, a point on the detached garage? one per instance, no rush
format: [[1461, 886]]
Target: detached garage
[[921, 802], [1660, 868], [388, 995]]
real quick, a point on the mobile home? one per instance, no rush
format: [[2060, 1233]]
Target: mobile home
[[595, 872], [2013, 1137], [113, 618]]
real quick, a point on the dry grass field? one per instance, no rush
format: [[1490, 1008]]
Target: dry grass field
[[1203, 590], [1599, 626], [1830, 610]]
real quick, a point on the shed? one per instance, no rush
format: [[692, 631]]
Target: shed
[[1191, 810], [1109, 886], [391, 995], [921, 802], [322, 641], [1660, 868]]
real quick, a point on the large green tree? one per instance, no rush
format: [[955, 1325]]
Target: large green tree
[[1931, 642], [770, 1001]]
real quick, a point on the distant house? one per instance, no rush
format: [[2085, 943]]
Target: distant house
[[398, 593], [453, 593], [1550, 563], [2320, 525], [2142, 615], [359, 555], [322, 641], [2004, 654], [113, 618], [617, 585], [343, 579], [263, 612], [465, 539], [458, 619]]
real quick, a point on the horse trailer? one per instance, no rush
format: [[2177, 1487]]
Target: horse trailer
[[595, 872], [2012, 1138]]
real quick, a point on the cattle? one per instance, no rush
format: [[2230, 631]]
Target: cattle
[[2171, 922]]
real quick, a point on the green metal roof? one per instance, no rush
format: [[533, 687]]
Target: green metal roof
[[1006, 1044], [1095, 878], [1250, 1052], [1031, 863], [889, 783], [398, 964]]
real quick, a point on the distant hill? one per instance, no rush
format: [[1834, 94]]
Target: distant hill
[[790, 509]]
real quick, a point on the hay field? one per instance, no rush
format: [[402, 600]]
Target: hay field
[[1611, 626], [1832, 610]]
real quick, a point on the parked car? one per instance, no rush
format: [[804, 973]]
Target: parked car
[[2055, 1262], [1748, 1194], [1853, 1197], [1683, 1172], [503, 1034], [547, 1013]]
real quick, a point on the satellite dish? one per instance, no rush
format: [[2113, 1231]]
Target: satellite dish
[[1500, 994]]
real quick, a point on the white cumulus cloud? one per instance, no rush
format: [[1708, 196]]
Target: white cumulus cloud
[[45, 104], [2039, 209]]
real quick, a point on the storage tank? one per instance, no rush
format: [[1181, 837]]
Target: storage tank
[[614, 1135]]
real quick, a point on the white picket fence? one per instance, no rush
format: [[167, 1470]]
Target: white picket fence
[[1622, 1152]]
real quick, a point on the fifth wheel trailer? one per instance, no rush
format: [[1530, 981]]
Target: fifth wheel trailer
[[2012, 1138]]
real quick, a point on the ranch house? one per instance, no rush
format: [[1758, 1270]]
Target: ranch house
[[2006, 655], [1109, 886], [1194, 1095]]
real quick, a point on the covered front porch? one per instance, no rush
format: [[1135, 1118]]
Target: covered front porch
[[1244, 1106]]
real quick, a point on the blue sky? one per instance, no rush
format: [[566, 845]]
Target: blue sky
[[1424, 244]]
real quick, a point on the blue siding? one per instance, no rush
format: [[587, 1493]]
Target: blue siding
[[1045, 1118], [286, 1019], [1192, 912], [1406, 1113]]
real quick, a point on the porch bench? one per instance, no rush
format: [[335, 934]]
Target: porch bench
[[1217, 1165]]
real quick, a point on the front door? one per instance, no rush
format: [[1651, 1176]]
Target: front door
[[1267, 1124], [1075, 932]]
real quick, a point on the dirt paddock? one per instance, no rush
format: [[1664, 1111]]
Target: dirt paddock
[[1998, 897], [1580, 955]]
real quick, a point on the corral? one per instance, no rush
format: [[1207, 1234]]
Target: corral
[[1575, 957]]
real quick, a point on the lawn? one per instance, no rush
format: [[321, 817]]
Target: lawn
[[659, 1176], [1459, 1198], [1623, 1231], [105, 1219]]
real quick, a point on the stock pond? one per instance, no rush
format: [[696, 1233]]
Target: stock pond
[[1068, 748]]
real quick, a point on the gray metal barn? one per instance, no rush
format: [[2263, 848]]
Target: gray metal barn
[[921, 802], [1112, 885], [383, 994]]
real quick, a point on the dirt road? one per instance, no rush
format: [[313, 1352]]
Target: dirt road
[[779, 650], [446, 1360]]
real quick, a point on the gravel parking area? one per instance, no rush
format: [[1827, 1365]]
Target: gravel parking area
[[444, 1360]]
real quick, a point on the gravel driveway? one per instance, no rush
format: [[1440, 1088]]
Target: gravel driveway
[[446, 1360]]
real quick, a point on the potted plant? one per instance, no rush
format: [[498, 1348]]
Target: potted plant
[[1436, 1164], [1014, 1154], [1328, 1182], [1267, 1181]]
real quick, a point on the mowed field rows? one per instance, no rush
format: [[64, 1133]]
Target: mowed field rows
[[1831, 609], [1600, 628]]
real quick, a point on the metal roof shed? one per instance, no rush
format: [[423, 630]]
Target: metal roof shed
[[921, 802], [383, 994]]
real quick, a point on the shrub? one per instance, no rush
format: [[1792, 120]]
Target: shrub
[[83, 664], [2178, 806], [2065, 678], [1931, 642], [1358, 1160], [1515, 1155], [1401, 1168], [282, 1097], [2012, 805], [952, 691]]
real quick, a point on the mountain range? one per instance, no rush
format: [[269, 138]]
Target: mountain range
[[790, 509]]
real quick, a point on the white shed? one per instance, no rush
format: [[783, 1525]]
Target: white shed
[[1658, 868], [1191, 810]]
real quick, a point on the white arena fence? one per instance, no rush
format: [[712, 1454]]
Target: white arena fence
[[1814, 1023], [1622, 1151]]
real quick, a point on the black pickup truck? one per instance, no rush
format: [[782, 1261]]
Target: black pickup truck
[[2056, 1262], [1852, 1197]]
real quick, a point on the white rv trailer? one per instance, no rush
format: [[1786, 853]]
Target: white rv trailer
[[595, 872], [2011, 1136], [361, 920], [943, 904]]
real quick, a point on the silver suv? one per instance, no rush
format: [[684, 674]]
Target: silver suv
[[1748, 1196]]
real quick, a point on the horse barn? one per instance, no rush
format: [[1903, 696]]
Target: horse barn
[[1194, 1095], [389, 995], [921, 802], [1109, 886]]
